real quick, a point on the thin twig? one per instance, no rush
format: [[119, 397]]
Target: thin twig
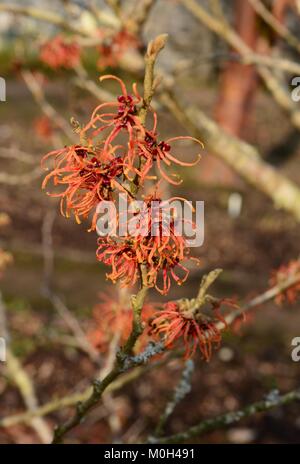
[[281, 94], [227, 33], [180, 392], [73, 399], [272, 400], [39, 96], [234, 40], [257, 301], [17, 154], [139, 15], [42, 15], [276, 25], [115, 5], [20, 179], [153, 50], [241, 156], [99, 387]]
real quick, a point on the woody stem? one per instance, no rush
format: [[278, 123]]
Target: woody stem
[[119, 367], [154, 48], [137, 300], [274, 399]]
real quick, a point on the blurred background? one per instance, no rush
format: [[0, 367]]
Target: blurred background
[[242, 108]]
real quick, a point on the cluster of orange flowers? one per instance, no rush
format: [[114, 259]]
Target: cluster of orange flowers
[[162, 253], [116, 150], [193, 327], [94, 170], [87, 175], [60, 52]]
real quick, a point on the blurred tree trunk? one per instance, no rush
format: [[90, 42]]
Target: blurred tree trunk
[[238, 83]]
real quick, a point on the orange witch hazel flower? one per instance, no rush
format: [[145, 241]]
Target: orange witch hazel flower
[[143, 150], [113, 48], [279, 276], [43, 127], [122, 115], [126, 258], [159, 153], [113, 318], [164, 251], [156, 246], [194, 328], [122, 258], [86, 176], [60, 53]]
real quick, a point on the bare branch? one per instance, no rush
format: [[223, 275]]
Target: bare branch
[[276, 25], [17, 154], [281, 94], [241, 156], [38, 95], [140, 360], [233, 39], [272, 400], [223, 30], [21, 179], [139, 15], [42, 15], [75, 398], [181, 390]]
